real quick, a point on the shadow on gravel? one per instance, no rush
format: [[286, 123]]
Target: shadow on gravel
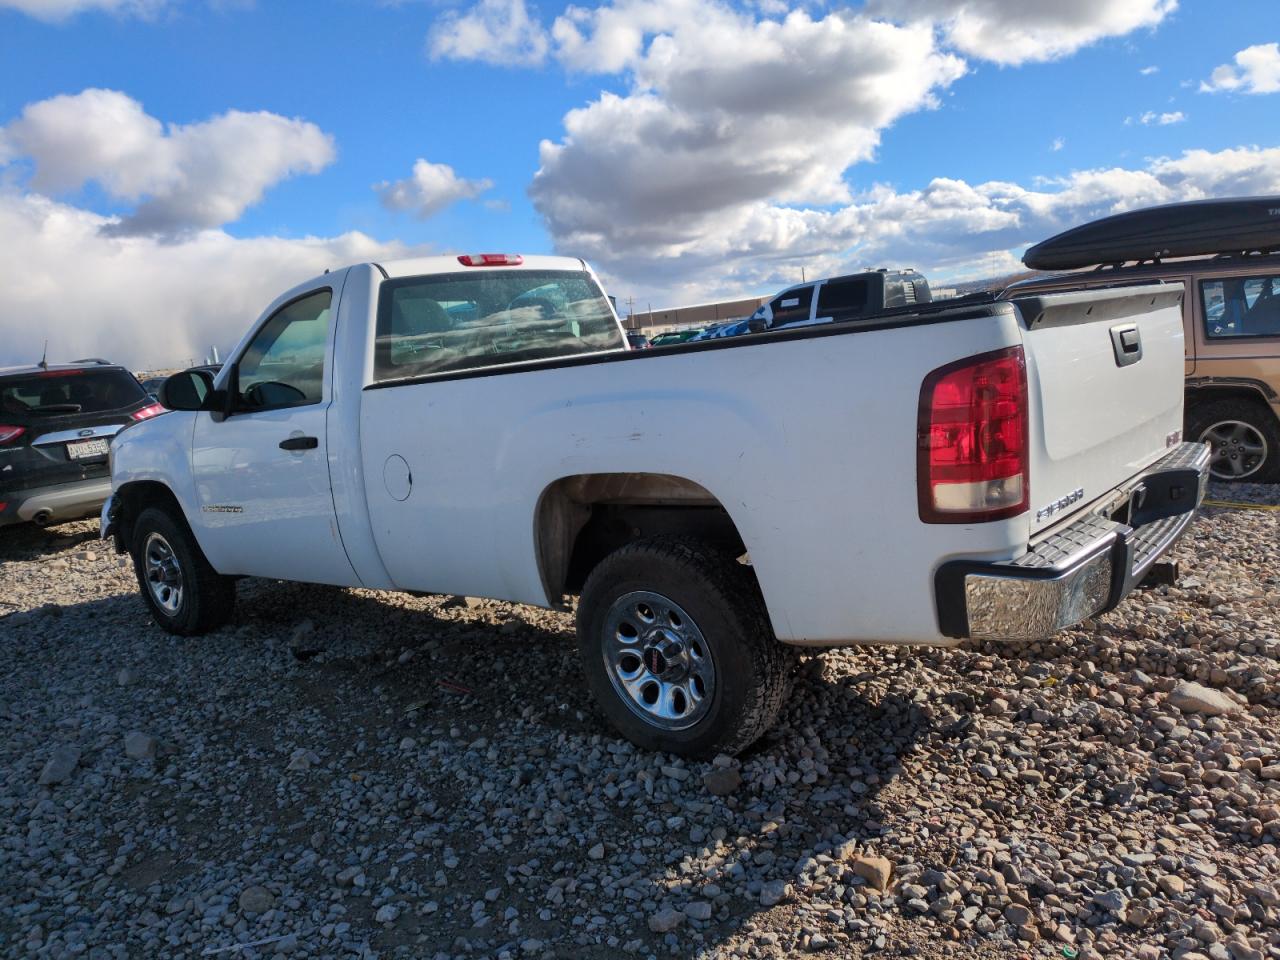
[[494, 696], [26, 541], [810, 787]]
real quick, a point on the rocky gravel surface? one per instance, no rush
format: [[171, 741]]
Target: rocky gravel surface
[[348, 773]]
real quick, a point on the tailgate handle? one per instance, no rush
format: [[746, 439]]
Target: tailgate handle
[[1126, 341]]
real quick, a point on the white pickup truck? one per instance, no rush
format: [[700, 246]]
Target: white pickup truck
[[476, 425]]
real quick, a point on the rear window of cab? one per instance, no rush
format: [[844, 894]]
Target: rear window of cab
[[466, 321]]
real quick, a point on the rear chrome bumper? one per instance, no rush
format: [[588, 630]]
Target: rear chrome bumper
[[59, 503], [1084, 569]]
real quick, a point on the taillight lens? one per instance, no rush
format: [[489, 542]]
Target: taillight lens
[[147, 412], [491, 259], [973, 445], [9, 434]]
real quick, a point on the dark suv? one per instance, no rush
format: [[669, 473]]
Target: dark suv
[[56, 424]]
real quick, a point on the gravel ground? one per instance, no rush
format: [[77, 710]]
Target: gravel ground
[[354, 773]]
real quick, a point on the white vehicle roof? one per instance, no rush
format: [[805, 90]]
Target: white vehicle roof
[[421, 266]]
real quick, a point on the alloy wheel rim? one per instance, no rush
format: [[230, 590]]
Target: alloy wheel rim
[[658, 661], [163, 573], [1237, 449]]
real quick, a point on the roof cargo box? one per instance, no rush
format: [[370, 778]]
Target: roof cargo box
[[1198, 228]]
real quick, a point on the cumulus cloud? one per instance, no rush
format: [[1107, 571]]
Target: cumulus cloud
[[1149, 71], [1021, 31], [728, 113], [138, 300], [495, 31], [737, 125], [428, 190], [950, 227], [181, 177], [55, 11], [1256, 70]]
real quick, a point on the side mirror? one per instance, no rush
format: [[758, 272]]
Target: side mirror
[[757, 325], [188, 390]]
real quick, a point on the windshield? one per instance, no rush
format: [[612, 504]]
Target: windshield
[[461, 321], [59, 392]]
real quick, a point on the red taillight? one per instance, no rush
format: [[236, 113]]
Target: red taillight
[[972, 460], [491, 259], [147, 412], [9, 434]]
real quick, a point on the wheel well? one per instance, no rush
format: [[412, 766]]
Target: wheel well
[[582, 519], [132, 498], [1200, 395]]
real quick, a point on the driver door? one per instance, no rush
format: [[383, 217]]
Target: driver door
[[262, 473]]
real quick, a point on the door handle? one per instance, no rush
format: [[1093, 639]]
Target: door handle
[[299, 443]]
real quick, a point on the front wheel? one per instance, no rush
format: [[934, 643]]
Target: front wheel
[[186, 595], [677, 650]]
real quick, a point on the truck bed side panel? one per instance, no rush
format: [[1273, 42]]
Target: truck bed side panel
[[808, 442]]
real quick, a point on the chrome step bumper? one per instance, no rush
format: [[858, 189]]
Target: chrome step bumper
[[1082, 570]]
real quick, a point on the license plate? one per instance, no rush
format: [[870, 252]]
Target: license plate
[[87, 448]]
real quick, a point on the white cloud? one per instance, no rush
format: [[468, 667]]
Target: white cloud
[[428, 190], [1256, 70], [182, 177], [1021, 31], [728, 114], [724, 156], [139, 300], [1058, 144], [1149, 71], [55, 11], [495, 31], [1151, 118], [949, 228]]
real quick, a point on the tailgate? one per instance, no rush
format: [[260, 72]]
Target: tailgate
[[1104, 371]]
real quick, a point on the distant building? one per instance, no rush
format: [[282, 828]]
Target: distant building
[[695, 315]]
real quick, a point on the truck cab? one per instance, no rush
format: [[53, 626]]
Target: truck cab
[[848, 297]]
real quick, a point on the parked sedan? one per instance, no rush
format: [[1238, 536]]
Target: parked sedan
[[56, 426]]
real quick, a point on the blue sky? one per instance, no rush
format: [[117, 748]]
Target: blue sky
[[677, 187]]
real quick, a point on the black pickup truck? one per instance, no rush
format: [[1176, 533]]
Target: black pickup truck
[[849, 297]]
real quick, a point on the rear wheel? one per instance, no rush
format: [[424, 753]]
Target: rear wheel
[[1244, 438], [677, 649], [185, 594]]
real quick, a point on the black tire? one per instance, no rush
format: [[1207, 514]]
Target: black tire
[[1207, 418], [205, 599], [752, 670]]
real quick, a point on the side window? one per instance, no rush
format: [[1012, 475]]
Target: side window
[[792, 306], [1241, 307], [847, 297], [283, 366]]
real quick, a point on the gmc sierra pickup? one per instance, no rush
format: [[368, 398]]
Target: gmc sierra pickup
[[475, 425]]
